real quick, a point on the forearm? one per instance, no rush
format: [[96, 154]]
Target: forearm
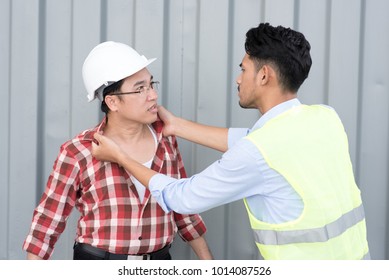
[[209, 136], [31, 256], [200, 247]]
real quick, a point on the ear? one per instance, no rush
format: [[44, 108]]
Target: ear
[[111, 102], [264, 74]]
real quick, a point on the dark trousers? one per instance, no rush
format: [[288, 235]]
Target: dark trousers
[[87, 252]]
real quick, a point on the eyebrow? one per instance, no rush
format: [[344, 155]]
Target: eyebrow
[[142, 82]]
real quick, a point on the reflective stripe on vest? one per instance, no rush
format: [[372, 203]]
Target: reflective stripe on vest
[[331, 230]]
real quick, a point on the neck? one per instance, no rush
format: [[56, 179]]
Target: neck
[[276, 99], [123, 132]]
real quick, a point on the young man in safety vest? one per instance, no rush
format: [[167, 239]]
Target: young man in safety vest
[[292, 168]]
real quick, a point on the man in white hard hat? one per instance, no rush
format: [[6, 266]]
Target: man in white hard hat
[[119, 218]]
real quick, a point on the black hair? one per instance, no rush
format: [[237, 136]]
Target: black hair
[[112, 88], [286, 50]]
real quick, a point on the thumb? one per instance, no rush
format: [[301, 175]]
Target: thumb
[[97, 136], [94, 146]]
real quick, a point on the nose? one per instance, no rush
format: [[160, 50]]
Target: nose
[[152, 94], [239, 79]]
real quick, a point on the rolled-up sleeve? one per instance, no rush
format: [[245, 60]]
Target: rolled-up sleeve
[[156, 185]]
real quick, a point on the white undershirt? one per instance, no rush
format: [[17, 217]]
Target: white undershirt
[[139, 187]]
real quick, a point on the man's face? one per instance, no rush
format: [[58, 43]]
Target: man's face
[[139, 107], [247, 86]]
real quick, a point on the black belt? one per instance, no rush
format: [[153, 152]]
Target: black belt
[[160, 254]]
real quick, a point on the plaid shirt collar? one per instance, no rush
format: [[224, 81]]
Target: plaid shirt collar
[[88, 135]]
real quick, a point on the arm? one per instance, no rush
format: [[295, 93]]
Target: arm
[[209, 136], [56, 203], [31, 256], [200, 247], [233, 177]]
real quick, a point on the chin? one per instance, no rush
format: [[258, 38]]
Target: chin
[[246, 106], [152, 119], [242, 105]]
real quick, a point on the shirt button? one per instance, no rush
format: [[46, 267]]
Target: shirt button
[[140, 238]]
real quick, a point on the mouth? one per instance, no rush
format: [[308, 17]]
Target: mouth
[[153, 109]]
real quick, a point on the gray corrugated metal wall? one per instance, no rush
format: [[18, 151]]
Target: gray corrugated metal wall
[[199, 45]]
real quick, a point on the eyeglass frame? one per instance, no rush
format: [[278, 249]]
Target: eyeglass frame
[[146, 89]]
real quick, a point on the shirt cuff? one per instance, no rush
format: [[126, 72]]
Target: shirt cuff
[[157, 184], [235, 134]]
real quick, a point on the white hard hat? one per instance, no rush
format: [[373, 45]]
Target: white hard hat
[[108, 63]]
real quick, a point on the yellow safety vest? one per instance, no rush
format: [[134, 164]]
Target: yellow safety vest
[[308, 146]]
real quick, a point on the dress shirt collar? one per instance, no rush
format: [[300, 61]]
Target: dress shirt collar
[[275, 111]]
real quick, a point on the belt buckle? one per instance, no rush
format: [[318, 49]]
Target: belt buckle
[[138, 257]]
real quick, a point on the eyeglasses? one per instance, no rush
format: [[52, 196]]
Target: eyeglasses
[[141, 90]]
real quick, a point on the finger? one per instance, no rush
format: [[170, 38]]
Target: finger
[[94, 146], [95, 150], [97, 136], [98, 139]]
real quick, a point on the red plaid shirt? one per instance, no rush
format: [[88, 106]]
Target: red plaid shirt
[[112, 216]]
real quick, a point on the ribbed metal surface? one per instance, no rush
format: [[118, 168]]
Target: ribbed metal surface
[[199, 45]]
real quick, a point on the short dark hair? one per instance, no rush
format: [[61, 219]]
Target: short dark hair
[[283, 48], [112, 88]]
